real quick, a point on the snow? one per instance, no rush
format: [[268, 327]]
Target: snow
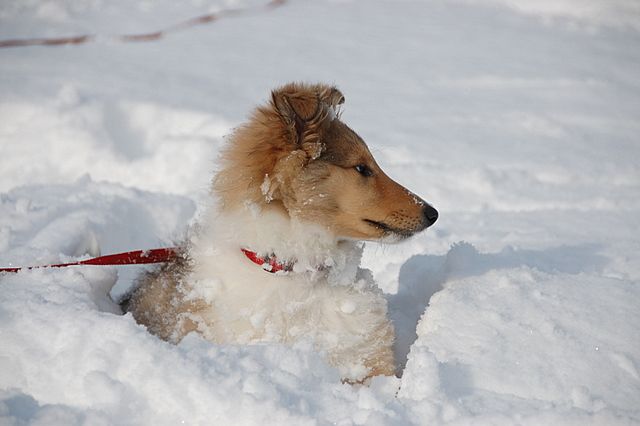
[[517, 120], [529, 319]]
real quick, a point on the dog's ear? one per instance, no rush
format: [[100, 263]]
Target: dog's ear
[[332, 97], [301, 105], [298, 106]]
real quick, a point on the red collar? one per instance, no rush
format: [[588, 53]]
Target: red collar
[[268, 263]]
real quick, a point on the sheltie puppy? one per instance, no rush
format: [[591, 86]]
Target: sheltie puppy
[[276, 258]]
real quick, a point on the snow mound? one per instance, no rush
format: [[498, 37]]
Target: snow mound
[[65, 343], [157, 148], [48, 224], [523, 340]]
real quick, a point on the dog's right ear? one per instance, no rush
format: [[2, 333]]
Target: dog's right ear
[[303, 105]]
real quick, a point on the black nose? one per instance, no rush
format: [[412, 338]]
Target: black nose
[[430, 215]]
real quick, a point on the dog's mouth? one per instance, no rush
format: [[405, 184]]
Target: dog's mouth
[[389, 230]]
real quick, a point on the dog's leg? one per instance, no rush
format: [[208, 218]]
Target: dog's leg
[[381, 362], [365, 347], [159, 302]]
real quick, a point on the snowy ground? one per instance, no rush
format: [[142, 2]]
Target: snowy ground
[[518, 120]]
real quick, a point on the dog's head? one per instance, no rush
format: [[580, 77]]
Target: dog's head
[[297, 155]]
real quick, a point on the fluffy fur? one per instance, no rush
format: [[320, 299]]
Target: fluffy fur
[[297, 183]]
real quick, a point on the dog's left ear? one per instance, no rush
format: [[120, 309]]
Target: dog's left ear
[[304, 105]]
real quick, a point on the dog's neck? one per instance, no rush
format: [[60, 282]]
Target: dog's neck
[[268, 231]]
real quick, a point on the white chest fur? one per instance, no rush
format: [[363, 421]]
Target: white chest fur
[[326, 299]]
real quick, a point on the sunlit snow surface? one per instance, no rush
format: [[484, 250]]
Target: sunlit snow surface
[[517, 120]]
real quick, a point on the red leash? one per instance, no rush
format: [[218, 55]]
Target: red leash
[[137, 257], [161, 255]]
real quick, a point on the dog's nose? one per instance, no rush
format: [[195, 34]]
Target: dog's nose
[[430, 215]]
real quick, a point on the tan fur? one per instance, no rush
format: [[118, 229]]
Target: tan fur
[[296, 157], [309, 159], [159, 302]]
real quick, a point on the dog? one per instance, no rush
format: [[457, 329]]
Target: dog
[[276, 258]]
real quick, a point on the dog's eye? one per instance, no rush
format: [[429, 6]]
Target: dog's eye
[[364, 170]]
